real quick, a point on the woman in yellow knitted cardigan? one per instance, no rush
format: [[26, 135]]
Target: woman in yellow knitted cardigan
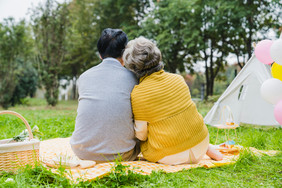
[[166, 120]]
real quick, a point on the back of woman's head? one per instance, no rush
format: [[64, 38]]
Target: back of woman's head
[[142, 57]]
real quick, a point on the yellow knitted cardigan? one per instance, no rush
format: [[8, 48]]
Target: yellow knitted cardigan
[[174, 124]]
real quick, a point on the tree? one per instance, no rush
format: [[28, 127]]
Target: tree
[[27, 82], [15, 51], [89, 18], [247, 21], [206, 31], [187, 32], [49, 26], [123, 14], [230, 27], [211, 48], [81, 39], [172, 25]]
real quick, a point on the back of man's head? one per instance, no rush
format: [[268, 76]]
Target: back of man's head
[[112, 43]]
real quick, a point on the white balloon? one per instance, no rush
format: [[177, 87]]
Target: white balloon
[[276, 51], [271, 90]]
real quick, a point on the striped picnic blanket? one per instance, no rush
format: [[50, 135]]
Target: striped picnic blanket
[[60, 147]]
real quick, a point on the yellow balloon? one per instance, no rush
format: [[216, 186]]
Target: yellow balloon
[[276, 71]]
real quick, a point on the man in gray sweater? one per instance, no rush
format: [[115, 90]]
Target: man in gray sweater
[[104, 129]]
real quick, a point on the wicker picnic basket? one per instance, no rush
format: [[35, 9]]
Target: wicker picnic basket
[[14, 155]]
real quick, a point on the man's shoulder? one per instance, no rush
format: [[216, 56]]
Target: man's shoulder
[[100, 71], [130, 74], [90, 71]]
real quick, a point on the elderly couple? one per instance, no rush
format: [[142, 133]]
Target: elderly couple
[[141, 107]]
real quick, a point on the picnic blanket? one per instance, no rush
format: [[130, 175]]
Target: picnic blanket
[[60, 147]]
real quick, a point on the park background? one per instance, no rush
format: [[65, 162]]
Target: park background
[[208, 42]]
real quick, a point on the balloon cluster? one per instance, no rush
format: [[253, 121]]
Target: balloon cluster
[[270, 52]]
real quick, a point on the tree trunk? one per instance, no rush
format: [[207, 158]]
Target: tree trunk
[[52, 89], [251, 26], [74, 89], [207, 77], [238, 61]]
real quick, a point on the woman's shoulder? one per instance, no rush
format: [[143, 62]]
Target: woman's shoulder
[[159, 79], [174, 75], [172, 78]]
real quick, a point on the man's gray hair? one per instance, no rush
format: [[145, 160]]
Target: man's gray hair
[[142, 57]]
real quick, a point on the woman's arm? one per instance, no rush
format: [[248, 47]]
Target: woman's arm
[[141, 131]]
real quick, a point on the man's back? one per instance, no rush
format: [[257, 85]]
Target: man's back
[[104, 122]]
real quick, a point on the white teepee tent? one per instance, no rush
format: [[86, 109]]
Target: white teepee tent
[[244, 99]]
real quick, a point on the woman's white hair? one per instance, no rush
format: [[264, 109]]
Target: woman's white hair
[[142, 57]]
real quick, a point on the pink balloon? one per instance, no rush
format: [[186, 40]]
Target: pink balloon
[[262, 51], [278, 112]]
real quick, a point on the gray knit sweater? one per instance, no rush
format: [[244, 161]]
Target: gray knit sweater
[[104, 123]]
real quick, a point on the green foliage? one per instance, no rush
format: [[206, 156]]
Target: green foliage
[[88, 19], [243, 20], [170, 25], [52, 122], [189, 32], [24, 134], [34, 177], [196, 86], [127, 15], [195, 92], [219, 87], [120, 176], [50, 23], [81, 38], [15, 51], [27, 82]]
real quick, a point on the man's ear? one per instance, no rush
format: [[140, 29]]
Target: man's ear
[[100, 57]]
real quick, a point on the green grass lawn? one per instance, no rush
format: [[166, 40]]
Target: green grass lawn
[[249, 171]]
